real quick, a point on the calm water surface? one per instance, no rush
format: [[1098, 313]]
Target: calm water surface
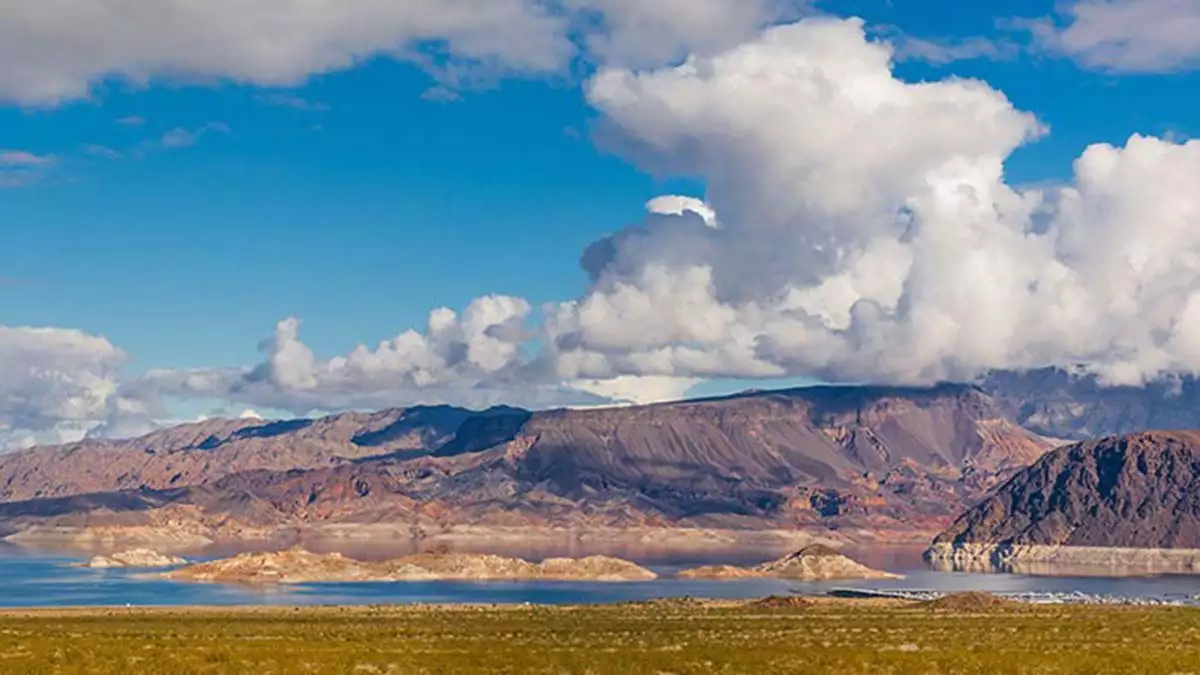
[[38, 579]]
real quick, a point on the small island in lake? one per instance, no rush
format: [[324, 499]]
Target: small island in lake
[[299, 566], [812, 563]]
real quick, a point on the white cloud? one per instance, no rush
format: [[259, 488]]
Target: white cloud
[[54, 383], [633, 390], [678, 205], [476, 358], [1146, 36], [866, 233], [640, 33], [55, 50], [877, 239]]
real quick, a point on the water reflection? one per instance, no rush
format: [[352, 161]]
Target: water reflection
[[1059, 569]]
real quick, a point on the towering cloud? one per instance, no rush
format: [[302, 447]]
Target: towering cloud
[[867, 231]]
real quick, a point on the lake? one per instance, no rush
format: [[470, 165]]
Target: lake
[[41, 579]]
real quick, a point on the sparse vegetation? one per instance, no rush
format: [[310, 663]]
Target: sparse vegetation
[[773, 637]]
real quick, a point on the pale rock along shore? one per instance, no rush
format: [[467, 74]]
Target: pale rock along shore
[[1016, 557], [813, 563], [299, 566]]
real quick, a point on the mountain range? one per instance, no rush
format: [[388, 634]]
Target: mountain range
[[862, 462], [852, 463]]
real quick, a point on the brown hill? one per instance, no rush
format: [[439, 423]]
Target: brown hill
[[864, 462], [1138, 491]]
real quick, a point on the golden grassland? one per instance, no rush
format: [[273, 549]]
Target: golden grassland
[[653, 638]]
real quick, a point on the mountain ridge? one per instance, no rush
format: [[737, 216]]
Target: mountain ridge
[[895, 463]]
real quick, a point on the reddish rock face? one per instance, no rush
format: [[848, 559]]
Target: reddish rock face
[[1136, 491], [895, 464]]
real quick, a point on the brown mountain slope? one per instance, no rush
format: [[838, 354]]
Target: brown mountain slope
[[196, 454], [1137, 491], [885, 463]]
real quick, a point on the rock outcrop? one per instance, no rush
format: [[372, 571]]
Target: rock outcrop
[[813, 563], [859, 463], [1124, 501], [299, 566], [138, 557]]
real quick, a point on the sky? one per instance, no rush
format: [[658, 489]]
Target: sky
[[289, 208]]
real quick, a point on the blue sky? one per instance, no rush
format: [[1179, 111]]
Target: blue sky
[[180, 209]]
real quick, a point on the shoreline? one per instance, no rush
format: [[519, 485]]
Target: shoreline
[[400, 537], [1040, 559]]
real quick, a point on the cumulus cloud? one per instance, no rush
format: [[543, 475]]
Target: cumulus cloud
[[476, 358], [854, 227], [54, 383], [1133, 36], [868, 233]]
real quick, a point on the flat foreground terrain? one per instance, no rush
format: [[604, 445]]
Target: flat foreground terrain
[[670, 637]]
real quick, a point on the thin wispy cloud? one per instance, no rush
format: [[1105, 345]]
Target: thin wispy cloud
[[181, 137], [21, 168], [22, 158], [101, 151], [944, 51], [132, 121], [286, 100]]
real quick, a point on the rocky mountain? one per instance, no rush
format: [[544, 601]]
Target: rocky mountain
[[1137, 491], [1054, 403], [895, 464]]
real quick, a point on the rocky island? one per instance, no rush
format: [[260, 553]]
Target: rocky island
[[138, 557], [299, 566], [1124, 503], [812, 563]]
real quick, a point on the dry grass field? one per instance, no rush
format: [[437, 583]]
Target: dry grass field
[[785, 636]]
